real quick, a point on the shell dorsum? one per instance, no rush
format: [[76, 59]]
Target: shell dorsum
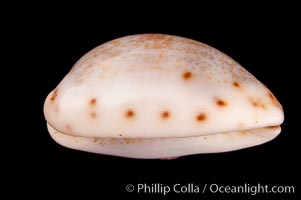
[[158, 86]]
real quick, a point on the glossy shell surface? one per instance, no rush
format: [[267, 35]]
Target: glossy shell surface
[[162, 96]]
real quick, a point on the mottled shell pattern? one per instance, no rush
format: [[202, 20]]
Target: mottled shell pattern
[[154, 96]]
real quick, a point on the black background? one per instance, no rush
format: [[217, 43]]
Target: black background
[[261, 40]]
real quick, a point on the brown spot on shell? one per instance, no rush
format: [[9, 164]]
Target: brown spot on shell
[[156, 41], [243, 132], [221, 102], [257, 103], [201, 117], [120, 135], [132, 140], [68, 127], [165, 115], [236, 84], [95, 54], [273, 127], [129, 113], [100, 141], [274, 100], [93, 115], [54, 95], [187, 75], [93, 102], [157, 45]]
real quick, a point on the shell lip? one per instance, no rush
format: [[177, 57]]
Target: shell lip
[[152, 148], [271, 126]]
